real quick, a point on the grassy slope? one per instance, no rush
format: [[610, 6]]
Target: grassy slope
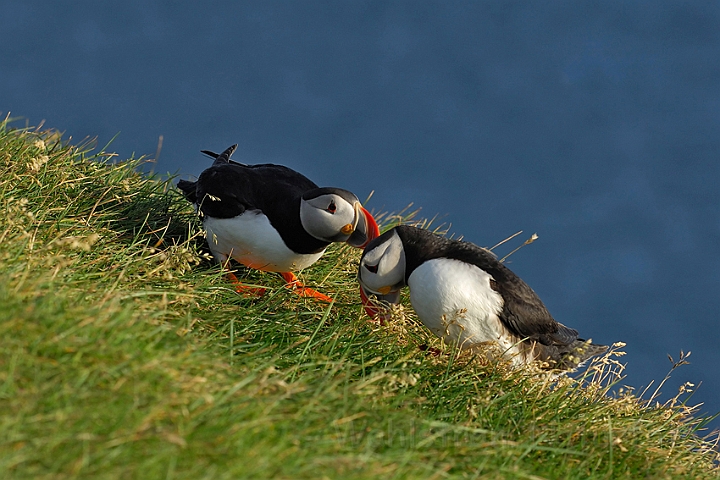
[[124, 354]]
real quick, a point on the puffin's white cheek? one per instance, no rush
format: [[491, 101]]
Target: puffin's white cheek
[[346, 214], [317, 223], [392, 266], [369, 280]]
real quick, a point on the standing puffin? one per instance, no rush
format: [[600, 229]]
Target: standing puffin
[[269, 217], [464, 295]]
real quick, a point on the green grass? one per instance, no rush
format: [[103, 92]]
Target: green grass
[[124, 353]]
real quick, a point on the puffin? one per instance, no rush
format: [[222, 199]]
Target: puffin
[[464, 295], [269, 217]]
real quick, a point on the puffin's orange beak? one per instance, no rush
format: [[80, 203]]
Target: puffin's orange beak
[[370, 309], [376, 308], [372, 226], [366, 229]]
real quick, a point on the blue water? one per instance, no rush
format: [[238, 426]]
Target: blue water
[[594, 124]]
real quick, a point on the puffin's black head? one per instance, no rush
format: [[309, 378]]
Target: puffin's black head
[[336, 215]]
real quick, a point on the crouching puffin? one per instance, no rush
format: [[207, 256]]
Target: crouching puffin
[[464, 295], [269, 217]]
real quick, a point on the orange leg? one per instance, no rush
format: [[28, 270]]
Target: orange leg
[[296, 286], [244, 289]]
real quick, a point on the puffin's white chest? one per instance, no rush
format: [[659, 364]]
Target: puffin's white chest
[[251, 240], [455, 301]]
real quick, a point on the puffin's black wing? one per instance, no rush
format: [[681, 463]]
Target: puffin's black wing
[[523, 313], [223, 192], [228, 190]]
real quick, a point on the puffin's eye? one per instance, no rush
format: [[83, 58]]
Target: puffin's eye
[[332, 207], [371, 268]]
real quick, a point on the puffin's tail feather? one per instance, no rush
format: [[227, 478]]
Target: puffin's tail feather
[[223, 157], [579, 353], [189, 189]]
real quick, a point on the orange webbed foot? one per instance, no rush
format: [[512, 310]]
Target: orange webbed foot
[[296, 286], [244, 289]]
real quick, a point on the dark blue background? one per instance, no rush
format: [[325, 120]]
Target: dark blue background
[[594, 124]]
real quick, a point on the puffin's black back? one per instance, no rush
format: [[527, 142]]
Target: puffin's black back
[[523, 313], [273, 189]]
